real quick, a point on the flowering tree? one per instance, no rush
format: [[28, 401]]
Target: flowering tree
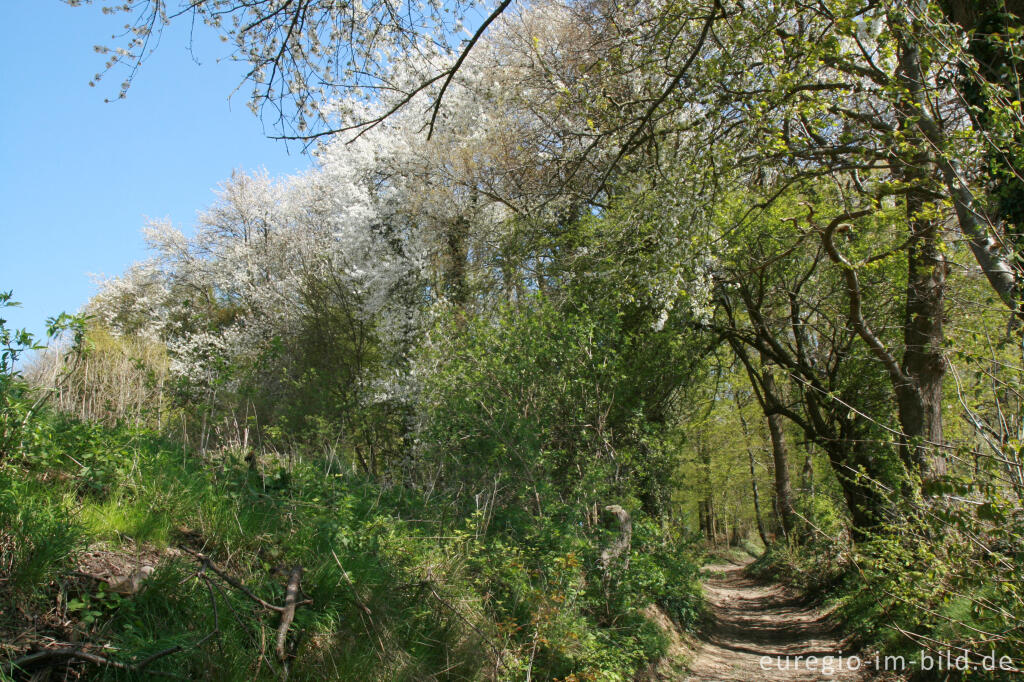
[[303, 53], [278, 273]]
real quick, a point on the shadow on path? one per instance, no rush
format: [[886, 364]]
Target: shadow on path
[[754, 620]]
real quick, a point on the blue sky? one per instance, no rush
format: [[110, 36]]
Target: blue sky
[[78, 177]]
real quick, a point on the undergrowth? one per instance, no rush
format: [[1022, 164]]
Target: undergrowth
[[401, 585], [913, 599]]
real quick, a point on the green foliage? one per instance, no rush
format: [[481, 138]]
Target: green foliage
[[545, 409], [941, 591], [16, 405], [665, 566], [759, 229], [402, 586], [18, 402], [38, 536], [555, 399], [818, 565], [541, 412]]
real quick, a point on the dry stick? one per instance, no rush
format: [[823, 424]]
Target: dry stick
[[208, 563], [72, 652], [288, 612], [262, 656], [79, 654], [355, 595], [291, 602], [156, 656]]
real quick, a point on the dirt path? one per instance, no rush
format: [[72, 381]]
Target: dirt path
[[753, 620]]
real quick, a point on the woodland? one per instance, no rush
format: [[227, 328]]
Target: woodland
[[577, 297]]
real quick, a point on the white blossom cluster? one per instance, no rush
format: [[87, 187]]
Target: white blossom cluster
[[223, 294], [372, 221]]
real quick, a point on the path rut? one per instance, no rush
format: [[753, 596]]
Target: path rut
[[753, 620]]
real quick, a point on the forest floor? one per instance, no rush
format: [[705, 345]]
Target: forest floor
[[760, 628]]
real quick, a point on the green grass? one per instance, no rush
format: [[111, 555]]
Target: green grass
[[402, 588], [37, 541]]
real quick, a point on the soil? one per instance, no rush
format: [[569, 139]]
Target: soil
[[758, 631]]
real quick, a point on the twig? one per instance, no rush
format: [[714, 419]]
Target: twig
[[288, 611], [458, 63], [77, 653], [208, 563], [355, 595]]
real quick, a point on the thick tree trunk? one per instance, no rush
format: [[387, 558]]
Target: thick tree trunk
[[854, 462], [919, 391], [920, 404]]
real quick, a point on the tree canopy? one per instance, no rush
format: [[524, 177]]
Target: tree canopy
[[589, 288]]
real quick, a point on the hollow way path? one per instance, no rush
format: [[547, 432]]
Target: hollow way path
[[760, 629]]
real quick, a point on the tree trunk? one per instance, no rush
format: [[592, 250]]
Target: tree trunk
[[807, 477], [780, 456], [706, 514], [757, 500], [783, 487], [837, 434], [708, 505], [776, 516], [620, 545], [920, 404], [456, 243], [919, 394]]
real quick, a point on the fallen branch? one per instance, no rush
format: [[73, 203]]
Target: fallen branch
[[206, 562], [293, 591], [291, 597], [49, 656]]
